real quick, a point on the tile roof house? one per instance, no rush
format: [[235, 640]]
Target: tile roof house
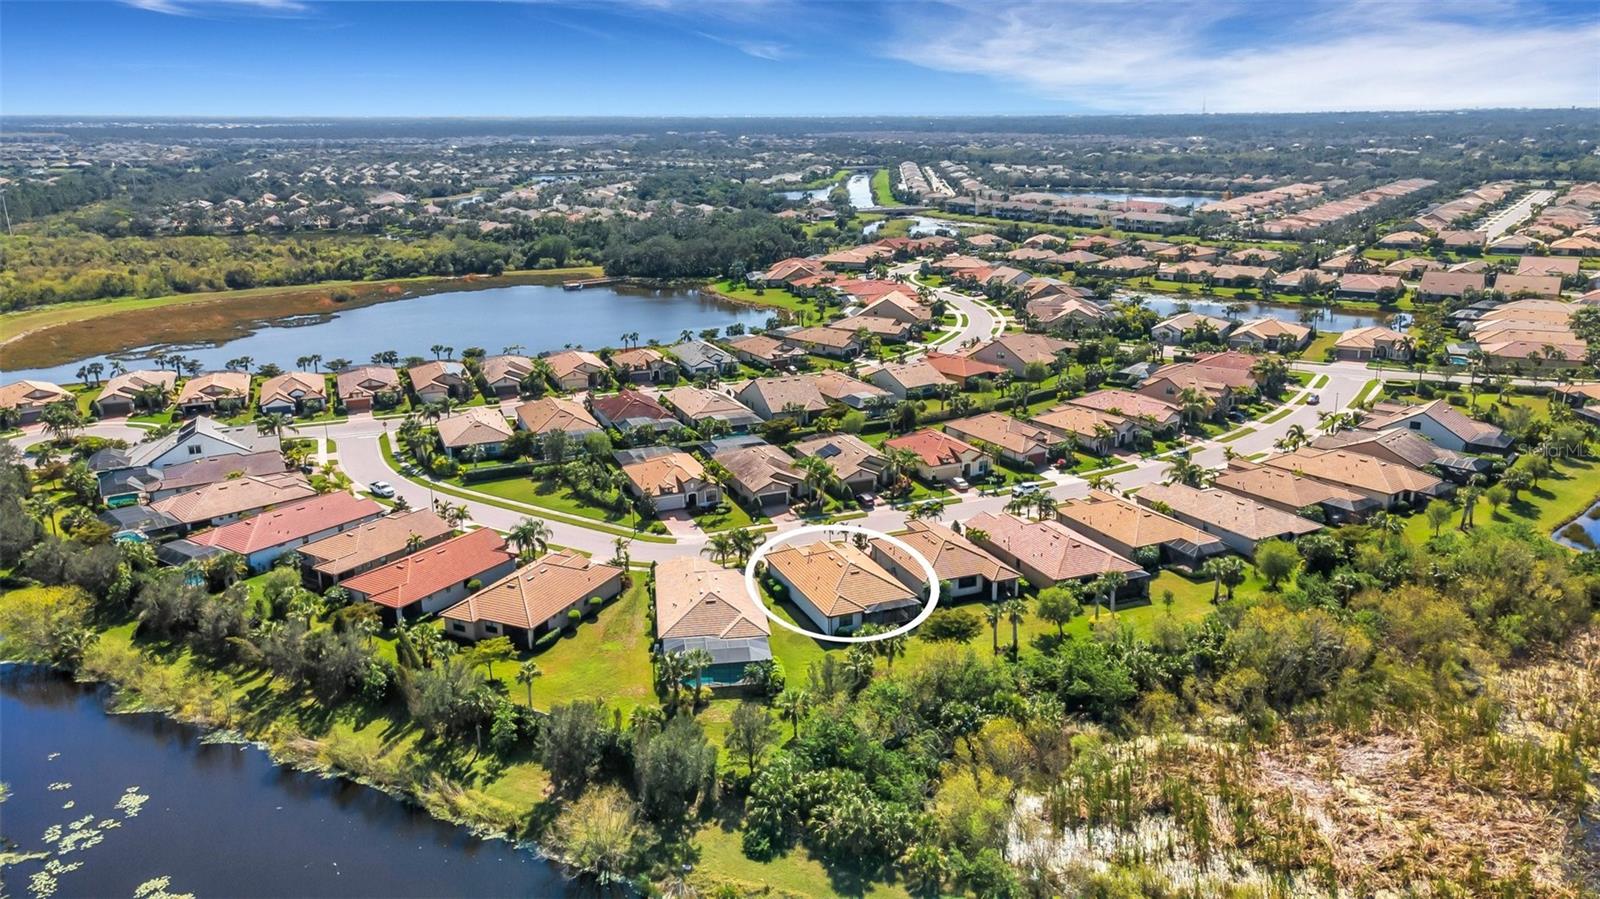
[[629, 410], [964, 569], [891, 330], [1448, 285], [554, 413], [1270, 334], [366, 387], [480, 426], [1561, 266], [262, 538], [699, 357], [293, 393], [1406, 447], [900, 307], [762, 475], [120, 396], [1290, 492], [795, 396], [576, 369], [436, 577], [30, 397], [328, 561], [962, 370], [1220, 385], [1125, 527], [1387, 482], [1373, 342], [907, 379], [861, 467], [695, 406], [213, 391], [839, 587], [184, 476], [787, 270], [942, 457], [1155, 415], [1094, 431], [670, 477], [825, 341], [1528, 285], [1022, 442], [229, 500], [1185, 325], [763, 350], [1360, 285], [701, 605], [433, 382], [1048, 552], [1238, 521], [1016, 351], [642, 365], [506, 373], [533, 599], [838, 387]]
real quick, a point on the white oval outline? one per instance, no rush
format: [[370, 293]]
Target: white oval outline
[[779, 539]]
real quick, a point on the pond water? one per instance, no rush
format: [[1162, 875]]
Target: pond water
[[1179, 200], [921, 226], [1589, 521], [806, 196], [539, 317], [218, 819], [1335, 319], [859, 186]]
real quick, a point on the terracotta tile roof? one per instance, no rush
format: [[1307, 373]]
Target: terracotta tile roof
[[629, 406], [536, 592], [428, 571], [286, 523], [31, 393], [951, 555], [1080, 421], [698, 403], [553, 413], [695, 598], [235, 496], [838, 578], [1271, 328], [935, 448], [1229, 511], [472, 426], [438, 372], [1354, 470], [1127, 403], [373, 541], [569, 362], [1129, 524], [506, 367], [1049, 547], [1286, 489], [665, 474], [282, 388], [962, 367], [215, 385], [366, 380], [128, 384], [1011, 434], [638, 359]]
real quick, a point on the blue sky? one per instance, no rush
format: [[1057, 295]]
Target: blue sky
[[789, 57]]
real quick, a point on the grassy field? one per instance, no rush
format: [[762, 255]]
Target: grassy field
[[769, 298], [606, 659], [1574, 487], [1318, 349], [549, 495], [882, 192], [51, 335]]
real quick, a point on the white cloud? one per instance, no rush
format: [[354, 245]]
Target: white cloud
[[203, 7], [1252, 57]]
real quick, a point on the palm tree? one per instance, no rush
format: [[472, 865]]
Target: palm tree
[[1111, 582], [531, 537], [1293, 439], [1014, 610], [792, 705], [819, 477], [698, 660], [721, 547], [993, 613], [1183, 470], [43, 508], [526, 674], [274, 423]]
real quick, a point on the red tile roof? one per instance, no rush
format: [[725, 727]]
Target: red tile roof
[[425, 573], [276, 527]]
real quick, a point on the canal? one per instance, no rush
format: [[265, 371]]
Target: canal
[[131, 798], [536, 317]]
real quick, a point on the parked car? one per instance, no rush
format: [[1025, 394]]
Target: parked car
[[1236, 416], [1313, 400], [867, 500], [1025, 490], [381, 488], [960, 485]]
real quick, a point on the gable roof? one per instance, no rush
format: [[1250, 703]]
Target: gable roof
[[698, 403], [1008, 433], [951, 555], [698, 353], [128, 384], [1049, 547], [366, 380], [536, 592], [374, 540], [962, 367], [760, 467], [850, 456], [31, 393], [1469, 430], [430, 570], [1131, 524], [506, 366], [234, 496], [1127, 403], [1285, 488], [282, 388], [284, 524], [438, 372], [1355, 470], [214, 385], [837, 578], [629, 407], [779, 393], [1228, 511], [665, 473], [934, 448], [569, 362]]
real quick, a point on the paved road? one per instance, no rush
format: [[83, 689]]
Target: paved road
[[1515, 214]]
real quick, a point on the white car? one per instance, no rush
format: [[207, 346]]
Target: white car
[[960, 484], [381, 488]]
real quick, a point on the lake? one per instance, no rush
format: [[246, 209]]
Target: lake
[[218, 819], [1589, 523], [859, 187], [1334, 319], [539, 317], [921, 226], [1178, 200]]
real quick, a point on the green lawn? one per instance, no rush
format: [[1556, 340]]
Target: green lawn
[[882, 190], [606, 659], [1318, 349], [1574, 487], [769, 297], [735, 518], [551, 495]]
